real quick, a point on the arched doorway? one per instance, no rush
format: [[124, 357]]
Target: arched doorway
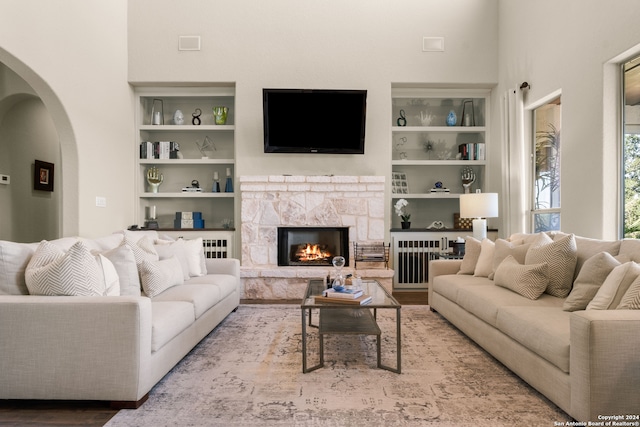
[[33, 122]]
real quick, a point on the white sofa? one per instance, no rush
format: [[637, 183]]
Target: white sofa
[[584, 359], [109, 348]]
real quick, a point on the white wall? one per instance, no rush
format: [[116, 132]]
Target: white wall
[[565, 46], [74, 57], [361, 44]]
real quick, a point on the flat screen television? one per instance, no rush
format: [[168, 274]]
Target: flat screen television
[[314, 121]]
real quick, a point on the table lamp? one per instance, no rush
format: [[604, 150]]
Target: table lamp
[[479, 206]]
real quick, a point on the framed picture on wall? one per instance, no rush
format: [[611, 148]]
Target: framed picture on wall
[[43, 176], [399, 183]]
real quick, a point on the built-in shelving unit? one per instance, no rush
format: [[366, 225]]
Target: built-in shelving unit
[[218, 208], [425, 150]]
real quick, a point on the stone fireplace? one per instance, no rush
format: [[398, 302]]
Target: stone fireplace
[[353, 203]]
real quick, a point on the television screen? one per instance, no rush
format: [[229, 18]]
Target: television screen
[[314, 121]]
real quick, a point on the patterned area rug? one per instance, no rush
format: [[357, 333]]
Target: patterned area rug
[[248, 372]]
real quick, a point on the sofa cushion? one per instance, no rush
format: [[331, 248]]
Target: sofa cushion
[[543, 330], [518, 249], [630, 247], [592, 274], [631, 298], [471, 255], [560, 255], [615, 286], [483, 299], [52, 271], [169, 319], [142, 248], [528, 280], [227, 283], [109, 276], [158, 276], [102, 244], [201, 297], [449, 285]]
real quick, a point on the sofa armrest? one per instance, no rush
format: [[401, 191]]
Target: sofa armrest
[[604, 363], [440, 267], [87, 348], [223, 266]]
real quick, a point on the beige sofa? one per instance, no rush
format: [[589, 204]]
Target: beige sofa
[[584, 359], [110, 348]]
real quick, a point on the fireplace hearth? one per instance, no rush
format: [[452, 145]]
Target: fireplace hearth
[[312, 246]]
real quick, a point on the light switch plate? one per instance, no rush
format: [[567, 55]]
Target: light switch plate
[[101, 202], [433, 44], [5, 179]]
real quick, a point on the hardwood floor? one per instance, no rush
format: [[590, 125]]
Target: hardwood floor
[[54, 413], [97, 414]]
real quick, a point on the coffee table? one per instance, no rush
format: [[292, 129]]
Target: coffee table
[[334, 318]]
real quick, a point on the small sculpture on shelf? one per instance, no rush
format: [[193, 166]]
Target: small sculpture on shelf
[[178, 118], [207, 144], [220, 115], [196, 117], [436, 225], [154, 178], [468, 178], [402, 120], [426, 118]]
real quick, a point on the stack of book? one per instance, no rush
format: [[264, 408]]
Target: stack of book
[[347, 296], [188, 220]]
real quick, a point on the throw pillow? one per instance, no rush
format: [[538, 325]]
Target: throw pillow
[[484, 266], [615, 286], [125, 264], [51, 271], [471, 255], [109, 277], [175, 249], [158, 276], [504, 248], [528, 280], [142, 248], [592, 275], [561, 257], [631, 299]]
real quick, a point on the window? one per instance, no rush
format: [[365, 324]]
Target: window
[[631, 149], [545, 212]]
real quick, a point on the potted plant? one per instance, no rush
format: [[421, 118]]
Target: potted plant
[[399, 208]]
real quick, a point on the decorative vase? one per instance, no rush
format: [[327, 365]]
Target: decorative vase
[[220, 115], [452, 119], [405, 225]]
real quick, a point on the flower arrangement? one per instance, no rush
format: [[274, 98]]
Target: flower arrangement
[[399, 207]]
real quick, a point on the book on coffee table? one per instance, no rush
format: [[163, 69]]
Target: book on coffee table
[[347, 293], [361, 300]]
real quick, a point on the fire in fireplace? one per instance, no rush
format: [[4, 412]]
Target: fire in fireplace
[[312, 246]]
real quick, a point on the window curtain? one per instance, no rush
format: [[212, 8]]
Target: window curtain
[[514, 197]]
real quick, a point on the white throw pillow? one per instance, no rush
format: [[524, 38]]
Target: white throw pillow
[[592, 275], [484, 266], [471, 255], [615, 287], [561, 256], [631, 299], [51, 271], [110, 279], [189, 253], [125, 264], [142, 248], [158, 276], [528, 280]]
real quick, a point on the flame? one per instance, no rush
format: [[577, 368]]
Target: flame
[[312, 252]]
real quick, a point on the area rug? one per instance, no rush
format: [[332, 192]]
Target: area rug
[[248, 372]]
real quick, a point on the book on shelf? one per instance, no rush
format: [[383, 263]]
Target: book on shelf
[[347, 293], [361, 300], [472, 151]]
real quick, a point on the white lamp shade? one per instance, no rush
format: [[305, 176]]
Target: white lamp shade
[[479, 205]]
